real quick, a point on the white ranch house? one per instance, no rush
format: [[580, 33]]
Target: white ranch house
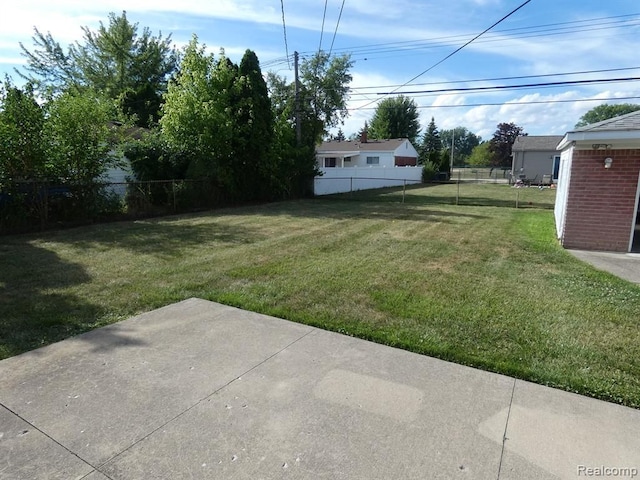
[[365, 164]]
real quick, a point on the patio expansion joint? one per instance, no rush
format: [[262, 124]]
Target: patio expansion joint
[[202, 400], [51, 438], [506, 426]]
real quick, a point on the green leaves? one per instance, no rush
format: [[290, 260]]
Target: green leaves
[[396, 118], [115, 61]]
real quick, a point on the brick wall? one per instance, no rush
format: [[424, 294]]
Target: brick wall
[[405, 161], [601, 202]]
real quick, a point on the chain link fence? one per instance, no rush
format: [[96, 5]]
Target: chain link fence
[[469, 192], [36, 205]]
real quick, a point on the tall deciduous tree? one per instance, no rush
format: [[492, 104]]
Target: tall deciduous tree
[[115, 61], [22, 152], [324, 92], [464, 142], [501, 143], [79, 136], [324, 89], [396, 117], [196, 117], [605, 112], [480, 156]]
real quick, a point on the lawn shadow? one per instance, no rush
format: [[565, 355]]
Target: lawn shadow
[[163, 236], [431, 194], [338, 209], [31, 314]]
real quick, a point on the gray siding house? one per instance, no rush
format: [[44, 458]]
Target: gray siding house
[[535, 159]]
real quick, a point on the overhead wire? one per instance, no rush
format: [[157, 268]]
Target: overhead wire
[[336, 30], [508, 103], [520, 77], [324, 16], [284, 28], [461, 47], [509, 87]]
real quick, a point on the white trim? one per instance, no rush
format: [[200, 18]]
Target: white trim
[[624, 137], [635, 213]]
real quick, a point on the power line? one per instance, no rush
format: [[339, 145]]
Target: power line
[[452, 39], [395, 49], [324, 16], [502, 104], [460, 48], [284, 28], [336, 30], [509, 87], [521, 77]]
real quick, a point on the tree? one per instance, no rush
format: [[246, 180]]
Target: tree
[[324, 88], [115, 61], [430, 149], [324, 92], [605, 112], [396, 117], [22, 152], [501, 143], [464, 142], [196, 111], [253, 130], [79, 136], [480, 156]]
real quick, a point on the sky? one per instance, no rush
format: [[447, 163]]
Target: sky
[[397, 47]]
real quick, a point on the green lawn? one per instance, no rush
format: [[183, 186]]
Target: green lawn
[[480, 283]]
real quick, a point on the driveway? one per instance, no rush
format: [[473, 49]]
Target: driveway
[[205, 391]]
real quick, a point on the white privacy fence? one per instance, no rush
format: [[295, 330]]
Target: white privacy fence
[[341, 180]]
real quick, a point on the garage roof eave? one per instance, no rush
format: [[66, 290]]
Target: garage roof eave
[[617, 138]]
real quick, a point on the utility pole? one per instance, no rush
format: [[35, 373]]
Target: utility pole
[[453, 137], [297, 101]]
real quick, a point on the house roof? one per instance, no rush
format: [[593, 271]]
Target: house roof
[[618, 132], [335, 146], [536, 143], [630, 121]]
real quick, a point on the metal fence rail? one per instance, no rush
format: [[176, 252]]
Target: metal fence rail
[[28, 206]]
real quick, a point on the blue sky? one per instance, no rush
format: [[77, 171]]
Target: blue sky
[[392, 41]]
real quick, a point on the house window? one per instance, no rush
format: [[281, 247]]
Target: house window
[[556, 167], [373, 160], [329, 162]]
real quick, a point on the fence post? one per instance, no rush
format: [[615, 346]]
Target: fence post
[[517, 196], [404, 188], [173, 188], [458, 189]]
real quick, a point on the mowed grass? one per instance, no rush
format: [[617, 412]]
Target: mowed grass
[[480, 283]]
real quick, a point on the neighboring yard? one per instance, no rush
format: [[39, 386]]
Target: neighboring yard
[[486, 286]]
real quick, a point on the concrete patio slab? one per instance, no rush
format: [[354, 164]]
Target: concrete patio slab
[[27, 453], [333, 407], [623, 265], [201, 390], [99, 392], [565, 434]]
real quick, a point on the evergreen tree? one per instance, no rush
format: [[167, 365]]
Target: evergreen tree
[[431, 147], [254, 130]]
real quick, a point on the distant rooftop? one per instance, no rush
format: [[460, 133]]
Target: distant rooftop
[[370, 145], [536, 143]]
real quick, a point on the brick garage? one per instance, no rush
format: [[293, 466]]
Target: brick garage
[[596, 207]]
